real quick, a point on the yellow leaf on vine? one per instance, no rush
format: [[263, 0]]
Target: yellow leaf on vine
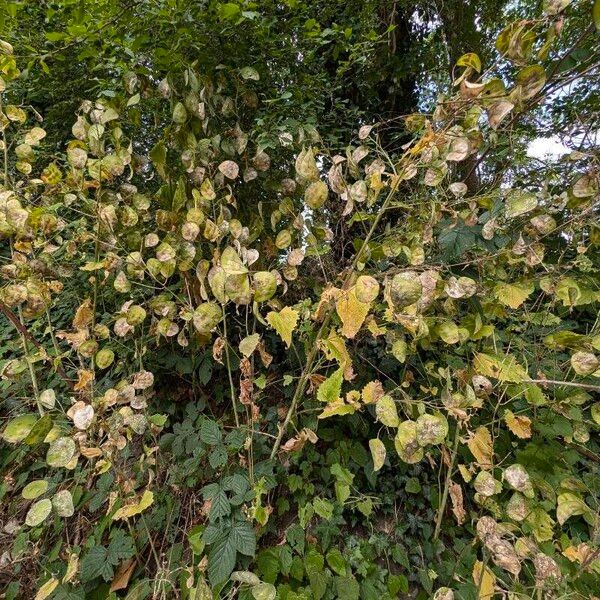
[[284, 323], [480, 445], [352, 312], [485, 581], [518, 425]]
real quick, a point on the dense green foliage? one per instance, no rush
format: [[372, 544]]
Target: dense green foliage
[[288, 307]]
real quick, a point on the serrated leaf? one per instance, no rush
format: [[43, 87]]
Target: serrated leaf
[[284, 322], [352, 312], [513, 294], [519, 425], [503, 367], [210, 432], [481, 447], [244, 538], [220, 506], [331, 389], [221, 561]]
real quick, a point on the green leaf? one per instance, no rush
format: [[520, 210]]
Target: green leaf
[[39, 431], [323, 508], [378, 453], [249, 73], [264, 591], [244, 538], [570, 504], [470, 60], [18, 428], [336, 561], [220, 506], [62, 502], [210, 432], [96, 564], [386, 411], [520, 202], [38, 512], [221, 561], [513, 294], [331, 388], [34, 489], [60, 452]]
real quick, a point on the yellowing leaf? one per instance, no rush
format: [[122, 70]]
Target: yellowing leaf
[[352, 312], [513, 294], [337, 407], [249, 343], [47, 589], [377, 453], [519, 203], [569, 505], [372, 392], [284, 322], [503, 367], [131, 510], [480, 445], [72, 567], [386, 412], [485, 581], [518, 425]]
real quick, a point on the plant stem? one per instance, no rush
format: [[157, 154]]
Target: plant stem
[[34, 382], [227, 361], [300, 388], [442, 509]]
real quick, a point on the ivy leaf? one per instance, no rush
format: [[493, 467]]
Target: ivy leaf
[[284, 322]]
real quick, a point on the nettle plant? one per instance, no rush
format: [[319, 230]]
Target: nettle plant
[[196, 238]]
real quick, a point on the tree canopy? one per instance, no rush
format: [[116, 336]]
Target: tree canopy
[[299, 300]]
